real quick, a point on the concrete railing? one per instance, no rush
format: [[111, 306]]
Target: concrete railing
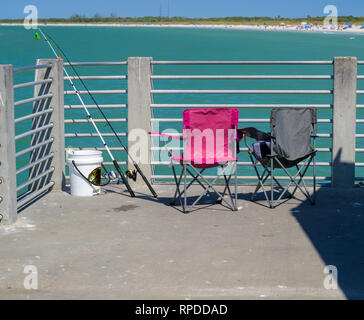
[[32, 161], [51, 121]]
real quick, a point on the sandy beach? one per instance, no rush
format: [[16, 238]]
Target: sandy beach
[[301, 28]]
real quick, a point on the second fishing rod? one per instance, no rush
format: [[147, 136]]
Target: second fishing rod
[[47, 37]]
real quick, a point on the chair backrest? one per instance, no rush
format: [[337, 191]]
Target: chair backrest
[[292, 129], [210, 135]]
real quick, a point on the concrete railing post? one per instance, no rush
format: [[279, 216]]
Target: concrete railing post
[[344, 122], [8, 196], [139, 110], [56, 88]]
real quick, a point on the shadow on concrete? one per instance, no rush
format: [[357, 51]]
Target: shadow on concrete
[[335, 226], [44, 150], [204, 203]]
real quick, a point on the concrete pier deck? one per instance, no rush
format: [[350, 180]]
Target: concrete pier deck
[[111, 246]]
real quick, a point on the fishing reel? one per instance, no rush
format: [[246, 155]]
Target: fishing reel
[[131, 174]]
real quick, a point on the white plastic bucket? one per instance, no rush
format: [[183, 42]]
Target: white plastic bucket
[[86, 161]]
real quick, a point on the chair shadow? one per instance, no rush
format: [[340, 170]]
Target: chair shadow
[[261, 200], [204, 203]]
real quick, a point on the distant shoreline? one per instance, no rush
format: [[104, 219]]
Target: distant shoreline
[[315, 29]]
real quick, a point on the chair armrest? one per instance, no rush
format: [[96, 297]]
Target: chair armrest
[[250, 150], [254, 133]]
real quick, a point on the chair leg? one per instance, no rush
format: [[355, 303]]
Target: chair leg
[[271, 202], [185, 210], [210, 186], [227, 186], [260, 178], [234, 199], [225, 189], [293, 179], [177, 192], [314, 181], [236, 186], [195, 178], [177, 189], [303, 182], [182, 194]]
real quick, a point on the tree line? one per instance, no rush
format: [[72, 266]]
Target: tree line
[[113, 18]]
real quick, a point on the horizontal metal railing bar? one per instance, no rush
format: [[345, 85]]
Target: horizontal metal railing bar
[[95, 120], [39, 176], [360, 77], [102, 148], [359, 149], [359, 164], [70, 92], [360, 106], [34, 99], [96, 78], [242, 91], [32, 164], [36, 146], [317, 106], [241, 149], [28, 133], [244, 177], [359, 135], [359, 120], [33, 115], [102, 63], [318, 135], [27, 68], [102, 106], [240, 120], [360, 91], [109, 163], [240, 77], [33, 83], [361, 62], [91, 135], [243, 62], [34, 194], [241, 163]]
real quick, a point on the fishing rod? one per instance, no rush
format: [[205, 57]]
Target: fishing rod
[[130, 173], [117, 167]]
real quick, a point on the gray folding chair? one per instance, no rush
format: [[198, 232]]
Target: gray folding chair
[[291, 143]]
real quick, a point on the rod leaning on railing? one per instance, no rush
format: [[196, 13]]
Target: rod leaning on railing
[[114, 106]]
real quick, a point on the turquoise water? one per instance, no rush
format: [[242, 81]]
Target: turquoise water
[[19, 48]]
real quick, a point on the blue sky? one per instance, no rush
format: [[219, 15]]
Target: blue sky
[[188, 8]]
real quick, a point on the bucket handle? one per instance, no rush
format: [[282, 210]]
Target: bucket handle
[[94, 184]]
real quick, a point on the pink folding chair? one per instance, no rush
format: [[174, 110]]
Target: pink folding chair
[[209, 141]]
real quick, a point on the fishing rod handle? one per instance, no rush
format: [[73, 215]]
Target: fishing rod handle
[[125, 181], [145, 180]]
